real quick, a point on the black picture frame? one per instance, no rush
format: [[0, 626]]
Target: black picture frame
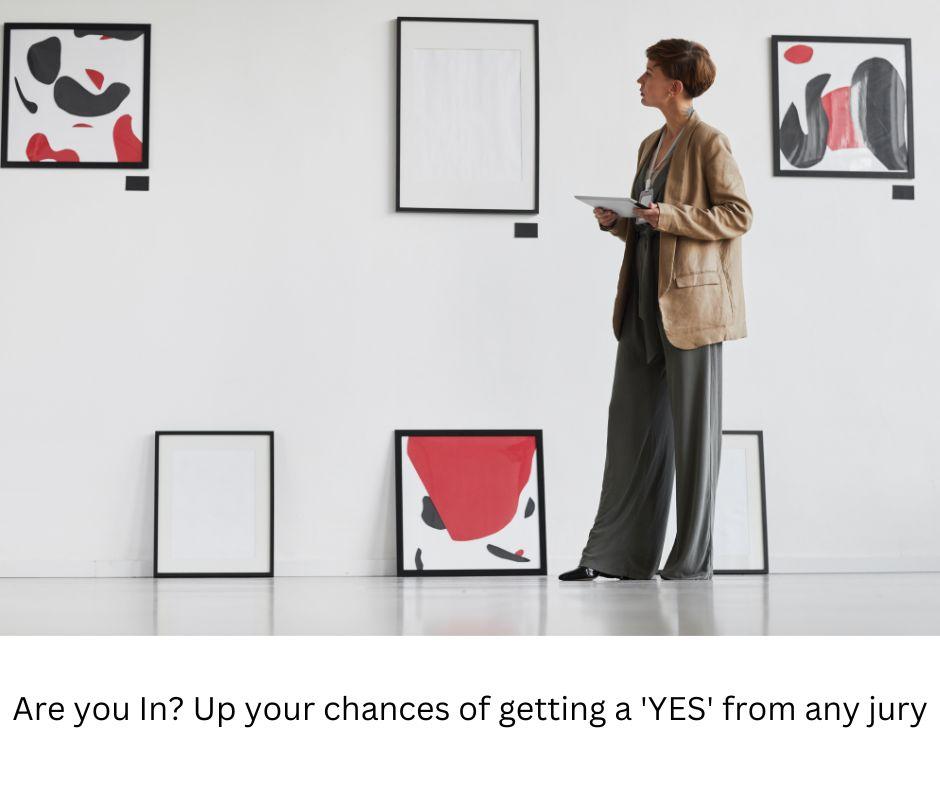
[[414, 209], [156, 503], [763, 506], [775, 41], [540, 482], [143, 164]]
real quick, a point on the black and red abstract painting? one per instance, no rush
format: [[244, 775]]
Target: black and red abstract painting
[[470, 502], [843, 107], [75, 95]]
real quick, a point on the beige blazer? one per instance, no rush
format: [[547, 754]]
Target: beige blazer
[[702, 217]]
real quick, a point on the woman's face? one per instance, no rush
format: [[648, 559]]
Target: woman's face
[[656, 89]]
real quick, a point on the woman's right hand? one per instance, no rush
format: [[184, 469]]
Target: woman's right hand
[[605, 217]]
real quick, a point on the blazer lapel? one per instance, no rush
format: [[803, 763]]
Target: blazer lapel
[[674, 178], [667, 243], [646, 149]]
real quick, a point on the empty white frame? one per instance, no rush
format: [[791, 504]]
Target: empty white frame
[[468, 115], [214, 504], [739, 536]]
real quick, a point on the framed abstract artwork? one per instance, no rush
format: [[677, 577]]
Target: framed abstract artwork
[[843, 107], [75, 95], [468, 115], [213, 512], [470, 502], [739, 536]]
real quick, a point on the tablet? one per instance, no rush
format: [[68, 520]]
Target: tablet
[[622, 206]]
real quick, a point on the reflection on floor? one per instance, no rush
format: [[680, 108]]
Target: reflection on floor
[[727, 605]]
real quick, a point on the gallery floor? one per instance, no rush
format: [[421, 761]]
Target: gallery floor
[[783, 604]]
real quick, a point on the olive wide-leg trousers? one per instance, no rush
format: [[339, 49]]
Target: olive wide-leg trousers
[[664, 424]]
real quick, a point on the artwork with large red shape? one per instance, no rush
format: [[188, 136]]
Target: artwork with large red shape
[[474, 481]]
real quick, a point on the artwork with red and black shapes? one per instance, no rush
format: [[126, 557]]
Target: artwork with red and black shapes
[[469, 502], [843, 105], [78, 95]]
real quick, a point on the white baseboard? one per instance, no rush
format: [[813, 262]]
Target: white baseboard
[[799, 564], [75, 568], [382, 567], [124, 568], [368, 567], [783, 564]]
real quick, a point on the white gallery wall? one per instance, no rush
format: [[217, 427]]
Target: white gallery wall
[[266, 282]]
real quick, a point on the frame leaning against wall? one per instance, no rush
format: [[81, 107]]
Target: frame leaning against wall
[[269, 435], [759, 435], [533, 206], [401, 435]]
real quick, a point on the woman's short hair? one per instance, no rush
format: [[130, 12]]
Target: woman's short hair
[[687, 61]]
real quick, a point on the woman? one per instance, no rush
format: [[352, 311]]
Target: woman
[[679, 297]]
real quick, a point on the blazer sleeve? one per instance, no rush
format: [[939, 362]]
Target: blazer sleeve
[[730, 214]]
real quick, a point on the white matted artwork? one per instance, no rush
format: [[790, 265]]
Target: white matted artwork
[[470, 502], [739, 537], [467, 115], [214, 504]]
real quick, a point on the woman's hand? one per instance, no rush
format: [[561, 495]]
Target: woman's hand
[[605, 217], [650, 214]]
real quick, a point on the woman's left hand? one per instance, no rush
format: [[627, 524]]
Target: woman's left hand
[[650, 214]]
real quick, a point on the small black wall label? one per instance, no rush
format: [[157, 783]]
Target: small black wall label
[[899, 192], [137, 183]]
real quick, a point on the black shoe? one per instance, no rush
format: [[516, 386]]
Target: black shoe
[[585, 573]]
